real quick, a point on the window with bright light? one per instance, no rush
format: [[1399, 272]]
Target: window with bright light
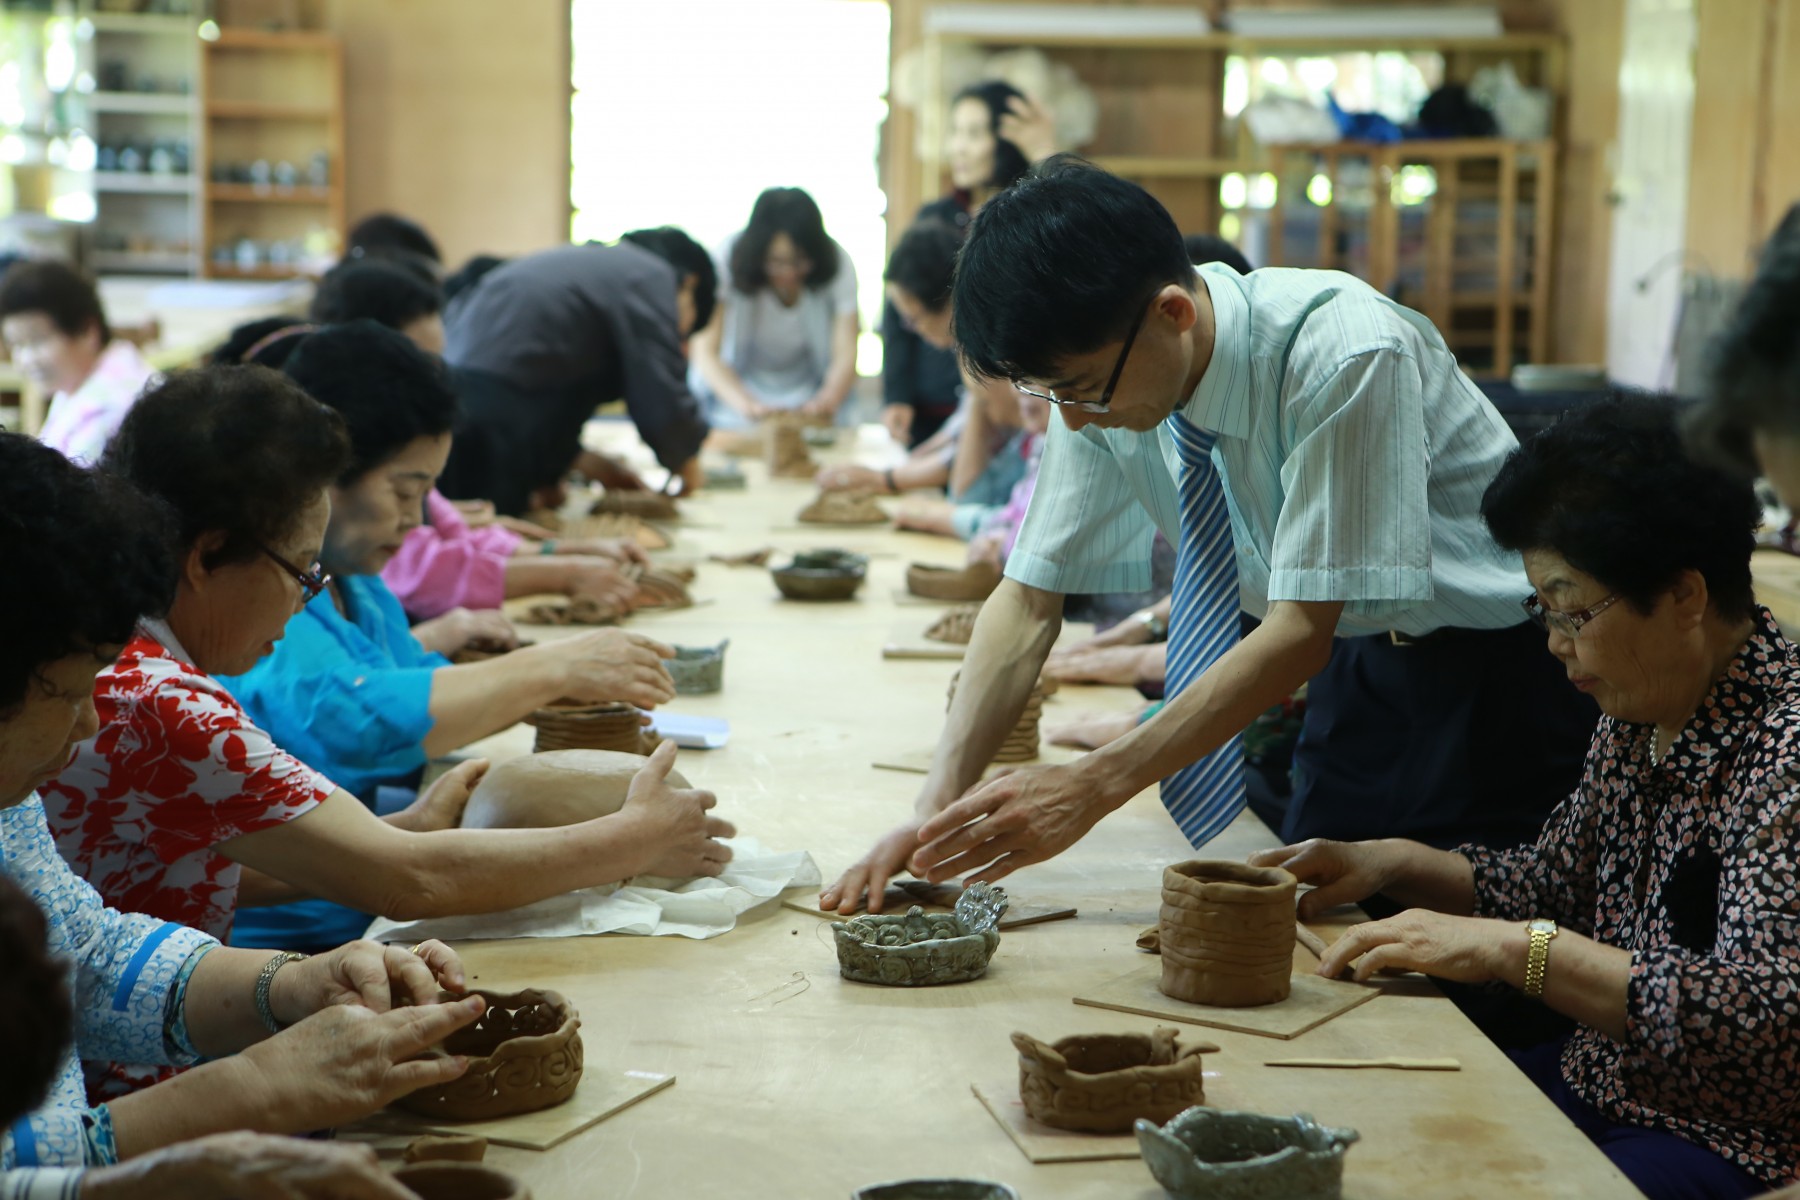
[[684, 110]]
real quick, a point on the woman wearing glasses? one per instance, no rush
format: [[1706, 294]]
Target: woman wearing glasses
[[1658, 907]]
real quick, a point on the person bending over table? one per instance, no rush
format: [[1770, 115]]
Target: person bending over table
[[1341, 499], [539, 342], [783, 335], [1657, 907], [39, 1020], [85, 556], [179, 791], [55, 327]]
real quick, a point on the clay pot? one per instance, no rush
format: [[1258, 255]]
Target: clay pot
[[459, 1181], [843, 508], [1102, 1082], [956, 627], [788, 457], [923, 949], [1227, 933], [646, 506], [821, 575], [1022, 743], [559, 787], [974, 582], [572, 725], [524, 1055], [1209, 1154], [698, 670]]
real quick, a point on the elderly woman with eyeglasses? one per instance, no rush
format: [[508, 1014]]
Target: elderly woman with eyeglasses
[[1659, 908]]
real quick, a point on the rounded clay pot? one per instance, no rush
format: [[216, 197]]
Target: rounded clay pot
[[524, 1054], [459, 1181], [936, 1189], [698, 670], [1102, 1082], [559, 787], [821, 575], [1227, 933], [974, 582]]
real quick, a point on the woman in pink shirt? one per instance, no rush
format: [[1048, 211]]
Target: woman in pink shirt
[[51, 318]]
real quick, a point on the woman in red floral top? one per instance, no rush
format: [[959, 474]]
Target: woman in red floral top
[[1669, 875]]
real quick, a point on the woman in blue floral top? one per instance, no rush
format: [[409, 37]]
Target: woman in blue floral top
[[85, 558], [1660, 907]]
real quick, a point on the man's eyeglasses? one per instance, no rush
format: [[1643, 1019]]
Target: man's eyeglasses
[[311, 582], [1104, 403], [1566, 623]]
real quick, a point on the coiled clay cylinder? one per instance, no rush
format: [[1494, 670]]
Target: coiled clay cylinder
[[1227, 933]]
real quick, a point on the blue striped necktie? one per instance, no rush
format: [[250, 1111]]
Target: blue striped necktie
[[1204, 797]]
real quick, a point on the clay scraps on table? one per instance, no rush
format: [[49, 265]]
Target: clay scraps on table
[[843, 508], [577, 610], [648, 506], [955, 627], [747, 558], [1021, 744], [788, 457]]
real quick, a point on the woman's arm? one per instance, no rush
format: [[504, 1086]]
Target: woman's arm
[[720, 376], [840, 374], [974, 446]]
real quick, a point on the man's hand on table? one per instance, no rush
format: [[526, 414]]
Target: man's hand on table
[[1023, 817], [869, 876]]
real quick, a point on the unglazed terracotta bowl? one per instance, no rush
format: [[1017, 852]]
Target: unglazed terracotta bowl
[[1102, 1082], [524, 1055], [972, 583], [1211, 1154]]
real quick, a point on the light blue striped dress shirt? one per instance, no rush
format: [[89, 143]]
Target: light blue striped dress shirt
[[1353, 450]]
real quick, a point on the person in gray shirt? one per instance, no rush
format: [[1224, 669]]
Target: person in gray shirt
[[540, 341]]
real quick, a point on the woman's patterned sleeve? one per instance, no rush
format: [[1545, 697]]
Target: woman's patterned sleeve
[[1552, 878], [1712, 1032]]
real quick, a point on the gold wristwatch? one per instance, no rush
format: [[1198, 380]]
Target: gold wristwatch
[[1538, 958]]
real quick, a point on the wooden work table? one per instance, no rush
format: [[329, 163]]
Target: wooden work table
[[794, 1083]]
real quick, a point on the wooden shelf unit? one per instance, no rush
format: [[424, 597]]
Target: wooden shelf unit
[[272, 97]]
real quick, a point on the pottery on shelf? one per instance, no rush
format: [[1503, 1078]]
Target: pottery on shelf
[[1210, 1154], [1226, 931], [572, 725], [1102, 1082], [646, 506], [974, 582], [524, 1055], [1022, 742], [843, 508], [918, 949], [955, 627], [788, 457], [698, 670], [936, 1189], [557, 787], [459, 1181], [821, 575]]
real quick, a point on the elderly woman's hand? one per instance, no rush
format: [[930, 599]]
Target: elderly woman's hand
[[461, 627], [612, 664], [346, 1061], [1463, 949], [248, 1166], [619, 550], [851, 478], [1341, 872], [602, 581], [367, 974]]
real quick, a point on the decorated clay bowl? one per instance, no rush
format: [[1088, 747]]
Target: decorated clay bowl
[[919, 949], [936, 1189], [972, 583], [1102, 1082], [1211, 1154], [821, 575], [698, 670], [524, 1054], [459, 1181]]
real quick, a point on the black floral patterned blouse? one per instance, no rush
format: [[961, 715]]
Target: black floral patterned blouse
[[1690, 864]]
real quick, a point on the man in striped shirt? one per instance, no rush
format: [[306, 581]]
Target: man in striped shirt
[[1352, 453]]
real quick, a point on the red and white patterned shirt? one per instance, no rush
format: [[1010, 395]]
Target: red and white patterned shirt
[[176, 769]]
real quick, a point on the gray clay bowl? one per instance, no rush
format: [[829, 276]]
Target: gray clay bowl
[[919, 949], [1212, 1154], [820, 436], [821, 575], [936, 1189], [698, 670], [459, 1181]]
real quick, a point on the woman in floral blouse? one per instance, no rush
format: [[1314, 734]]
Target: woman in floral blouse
[[1669, 874], [84, 558]]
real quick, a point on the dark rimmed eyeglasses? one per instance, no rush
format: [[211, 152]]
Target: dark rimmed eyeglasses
[[1104, 403], [1566, 623], [311, 582]]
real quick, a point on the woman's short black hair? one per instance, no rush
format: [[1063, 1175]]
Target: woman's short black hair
[[233, 449], [1211, 248], [688, 257], [389, 392], [382, 291], [266, 342], [86, 556], [1755, 362], [788, 210], [1010, 162], [381, 232], [35, 1009], [1611, 488], [924, 263], [59, 291], [1059, 265]]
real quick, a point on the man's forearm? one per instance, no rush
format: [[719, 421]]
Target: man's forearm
[[1013, 636]]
